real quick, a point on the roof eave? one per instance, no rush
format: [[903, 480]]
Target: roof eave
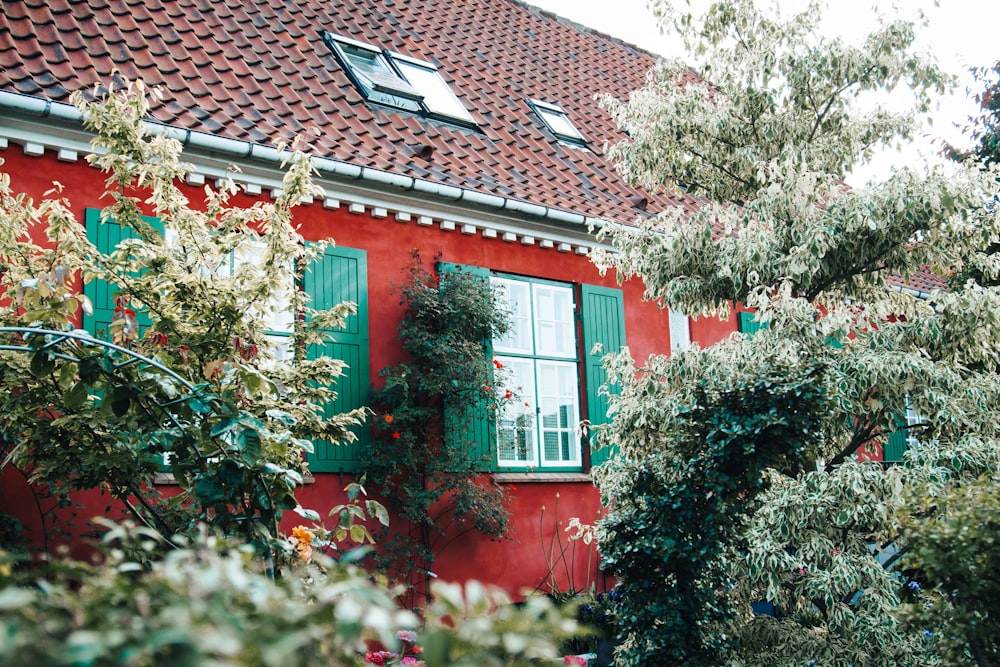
[[240, 149]]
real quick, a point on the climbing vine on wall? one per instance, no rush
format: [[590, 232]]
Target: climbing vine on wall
[[422, 460]]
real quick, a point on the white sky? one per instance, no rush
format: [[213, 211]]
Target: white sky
[[959, 34]]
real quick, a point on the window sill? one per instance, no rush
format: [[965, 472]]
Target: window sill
[[167, 479], [540, 477]]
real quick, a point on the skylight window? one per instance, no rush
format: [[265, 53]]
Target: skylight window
[[438, 96], [555, 119], [397, 80]]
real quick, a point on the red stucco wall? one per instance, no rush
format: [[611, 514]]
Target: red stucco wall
[[515, 563]]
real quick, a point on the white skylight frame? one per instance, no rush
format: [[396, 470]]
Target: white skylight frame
[[398, 80], [558, 122]]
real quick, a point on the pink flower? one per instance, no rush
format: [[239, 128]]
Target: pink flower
[[408, 636], [378, 657], [575, 660]]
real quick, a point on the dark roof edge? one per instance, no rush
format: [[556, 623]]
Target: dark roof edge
[[44, 108]]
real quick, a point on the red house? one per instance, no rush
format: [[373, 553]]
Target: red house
[[461, 128]]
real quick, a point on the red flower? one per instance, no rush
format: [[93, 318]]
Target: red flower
[[496, 362], [378, 657], [395, 434], [157, 338], [508, 394]]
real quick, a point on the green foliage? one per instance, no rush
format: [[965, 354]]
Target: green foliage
[[200, 385], [11, 533], [765, 138], [561, 556], [205, 604], [985, 128], [475, 626], [953, 589], [417, 462], [681, 513]]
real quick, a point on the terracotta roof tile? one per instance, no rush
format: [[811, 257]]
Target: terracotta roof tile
[[260, 71]]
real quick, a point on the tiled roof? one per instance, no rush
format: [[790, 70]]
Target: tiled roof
[[260, 71], [924, 281]]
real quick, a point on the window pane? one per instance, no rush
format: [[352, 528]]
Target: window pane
[[558, 400], [379, 81], [559, 447], [367, 62], [275, 314], [912, 419], [438, 96], [516, 423], [516, 297], [280, 347], [554, 325], [559, 123], [680, 331]]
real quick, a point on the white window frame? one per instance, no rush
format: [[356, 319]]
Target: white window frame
[[558, 123], [424, 91], [538, 409]]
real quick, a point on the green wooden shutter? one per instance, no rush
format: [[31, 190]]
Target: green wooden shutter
[[341, 274], [471, 424], [748, 325], [603, 312], [895, 446], [106, 236]]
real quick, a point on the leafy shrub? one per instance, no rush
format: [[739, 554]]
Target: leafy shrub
[[208, 603]]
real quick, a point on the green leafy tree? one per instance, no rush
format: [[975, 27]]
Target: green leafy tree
[[764, 137], [422, 459], [984, 128], [984, 131], [666, 536], [952, 530], [197, 384], [954, 590]]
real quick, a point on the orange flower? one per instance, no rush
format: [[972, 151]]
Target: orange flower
[[496, 362], [303, 534], [302, 539], [388, 419]]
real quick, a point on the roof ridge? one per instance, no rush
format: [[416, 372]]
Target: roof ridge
[[585, 28]]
